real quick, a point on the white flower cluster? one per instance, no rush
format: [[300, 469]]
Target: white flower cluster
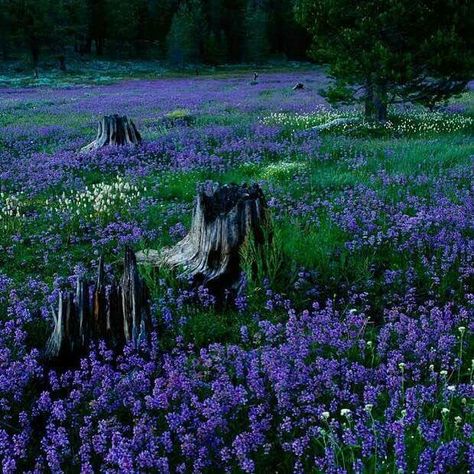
[[11, 209], [410, 123], [301, 121], [99, 199], [429, 123]]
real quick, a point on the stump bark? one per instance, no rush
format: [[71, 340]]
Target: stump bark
[[114, 130], [223, 218], [117, 313]]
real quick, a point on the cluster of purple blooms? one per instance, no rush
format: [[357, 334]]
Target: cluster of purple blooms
[[375, 378]]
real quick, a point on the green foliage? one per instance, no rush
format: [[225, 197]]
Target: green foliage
[[210, 31], [411, 49], [35, 24], [216, 48], [185, 39], [179, 116], [266, 260], [339, 92], [256, 28]]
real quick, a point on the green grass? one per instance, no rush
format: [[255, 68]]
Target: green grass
[[309, 241], [102, 72]]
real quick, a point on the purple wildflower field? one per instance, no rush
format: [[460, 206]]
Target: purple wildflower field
[[352, 353]]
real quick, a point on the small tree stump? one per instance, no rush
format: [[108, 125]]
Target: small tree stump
[[223, 218], [118, 314], [114, 130], [298, 86]]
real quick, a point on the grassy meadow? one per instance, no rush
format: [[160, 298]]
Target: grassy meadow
[[351, 348]]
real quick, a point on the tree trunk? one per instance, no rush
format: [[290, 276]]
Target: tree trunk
[[376, 101], [4, 48], [85, 46], [223, 218], [35, 52], [114, 130], [62, 62], [99, 46], [118, 314]]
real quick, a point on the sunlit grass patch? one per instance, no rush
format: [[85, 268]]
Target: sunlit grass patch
[[283, 170]]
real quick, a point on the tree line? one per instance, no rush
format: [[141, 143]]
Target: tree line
[[382, 51], [182, 31]]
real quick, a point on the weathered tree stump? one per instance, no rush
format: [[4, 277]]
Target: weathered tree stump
[[298, 86], [114, 130], [116, 313], [223, 218]]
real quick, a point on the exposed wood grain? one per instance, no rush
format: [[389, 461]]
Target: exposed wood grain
[[223, 218], [116, 313], [114, 130]]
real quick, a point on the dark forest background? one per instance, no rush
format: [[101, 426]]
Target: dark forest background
[[181, 31]]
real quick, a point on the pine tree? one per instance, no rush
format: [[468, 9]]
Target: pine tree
[[410, 49], [256, 32], [5, 29], [185, 39], [215, 48], [38, 24]]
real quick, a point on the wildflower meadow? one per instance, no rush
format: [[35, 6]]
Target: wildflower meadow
[[349, 348]]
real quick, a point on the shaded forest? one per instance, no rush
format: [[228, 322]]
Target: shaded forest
[[181, 31]]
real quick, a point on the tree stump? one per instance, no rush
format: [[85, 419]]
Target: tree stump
[[114, 130], [298, 86], [223, 218], [116, 313]]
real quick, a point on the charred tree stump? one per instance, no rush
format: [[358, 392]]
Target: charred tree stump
[[116, 313], [209, 255], [114, 130], [135, 310]]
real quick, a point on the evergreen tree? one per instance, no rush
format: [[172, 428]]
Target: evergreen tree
[[256, 32], [215, 48], [213, 31], [185, 39], [125, 22], [286, 35], [233, 24], [97, 26], [37, 24], [6, 24], [411, 49]]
